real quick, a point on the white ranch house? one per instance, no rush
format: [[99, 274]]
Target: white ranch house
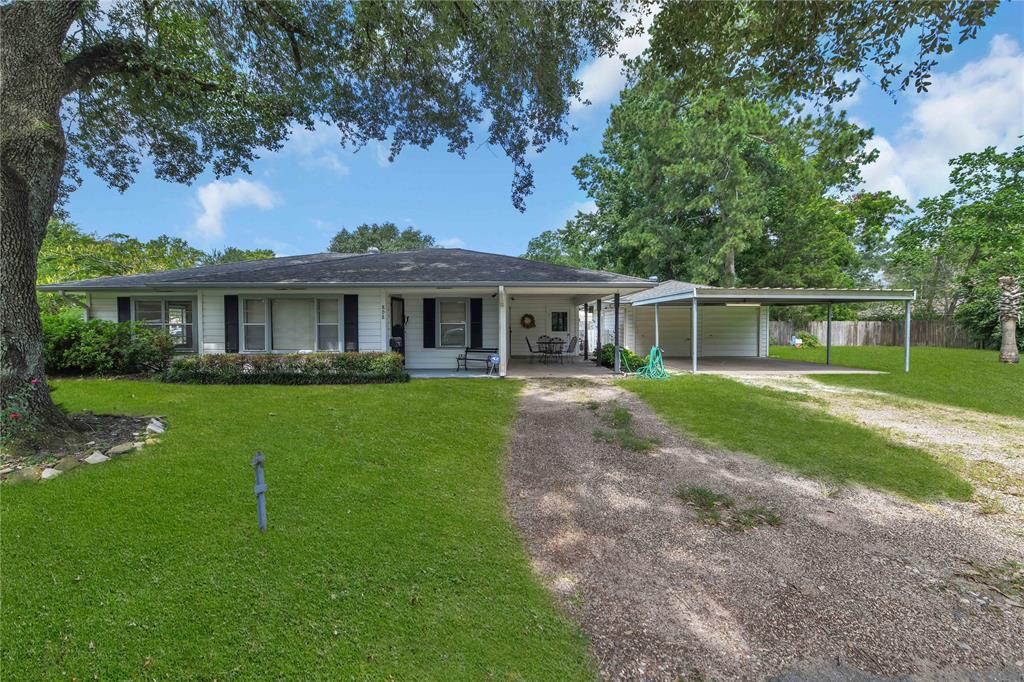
[[433, 304]]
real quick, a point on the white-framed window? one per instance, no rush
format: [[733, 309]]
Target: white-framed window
[[174, 316], [328, 324], [452, 322], [291, 324], [559, 321], [254, 324]]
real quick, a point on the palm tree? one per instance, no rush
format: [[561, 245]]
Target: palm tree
[[1009, 312]]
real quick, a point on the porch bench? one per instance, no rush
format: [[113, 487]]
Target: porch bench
[[481, 355]]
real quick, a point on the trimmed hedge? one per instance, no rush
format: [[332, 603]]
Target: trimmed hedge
[[303, 368], [73, 346]]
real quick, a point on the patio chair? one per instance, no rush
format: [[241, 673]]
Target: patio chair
[[532, 351], [571, 349]]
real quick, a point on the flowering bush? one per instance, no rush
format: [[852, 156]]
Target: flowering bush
[[17, 423]]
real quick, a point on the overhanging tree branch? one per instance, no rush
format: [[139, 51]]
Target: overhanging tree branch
[[97, 60]]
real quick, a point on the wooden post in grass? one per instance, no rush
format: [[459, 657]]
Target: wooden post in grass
[[260, 489]]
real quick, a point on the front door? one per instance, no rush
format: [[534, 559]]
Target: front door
[[398, 320]]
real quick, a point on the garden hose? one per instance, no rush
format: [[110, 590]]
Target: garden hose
[[654, 369]]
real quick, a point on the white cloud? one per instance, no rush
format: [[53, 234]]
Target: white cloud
[[980, 105], [314, 147], [603, 78], [382, 154], [451, 243], [588, 206], [217, 197]]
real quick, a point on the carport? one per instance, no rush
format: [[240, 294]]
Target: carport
[[695, 297]]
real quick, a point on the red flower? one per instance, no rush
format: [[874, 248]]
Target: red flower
[[15, 415], [34, 381]]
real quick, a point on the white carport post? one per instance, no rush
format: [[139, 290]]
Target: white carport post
[[906, 336], [693, 331], [828, 336], [657, 336], [502, 332]]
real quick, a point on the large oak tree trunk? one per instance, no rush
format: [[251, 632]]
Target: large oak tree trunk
[[32, 155], [1009, 311]]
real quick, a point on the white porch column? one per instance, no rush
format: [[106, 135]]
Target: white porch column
[[906, 336], [502, 331], [693, 332], [828, 336], [657, 334]]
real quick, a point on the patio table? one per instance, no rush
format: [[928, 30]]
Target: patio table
[[550, 347]]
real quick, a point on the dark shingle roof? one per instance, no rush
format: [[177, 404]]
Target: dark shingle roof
[[426, 266]]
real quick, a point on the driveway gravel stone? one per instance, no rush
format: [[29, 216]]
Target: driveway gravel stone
[[855, 584]]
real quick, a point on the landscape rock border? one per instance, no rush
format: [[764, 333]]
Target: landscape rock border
[[92, 455]]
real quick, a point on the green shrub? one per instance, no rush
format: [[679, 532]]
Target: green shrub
[[629, 358], [304, 368], [73, 346], [809, 339]]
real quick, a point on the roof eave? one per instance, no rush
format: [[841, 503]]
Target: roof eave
[[72, 286]]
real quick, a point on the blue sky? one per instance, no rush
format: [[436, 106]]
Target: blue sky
[[297, 198]]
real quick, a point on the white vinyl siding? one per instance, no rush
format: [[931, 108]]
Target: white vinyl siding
[[542, 308], [673, 327], [762, 349], [728, 331], [724, 331], [418, 357]]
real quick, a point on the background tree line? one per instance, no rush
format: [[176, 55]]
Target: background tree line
[[736, 187], [68, 254]]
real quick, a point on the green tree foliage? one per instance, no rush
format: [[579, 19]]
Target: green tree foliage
[[958, 244], [726, 190], [69, 254], [233, 254], [383, 236], [808, 49]]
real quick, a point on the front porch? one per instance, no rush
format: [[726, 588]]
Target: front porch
[[523, 368]]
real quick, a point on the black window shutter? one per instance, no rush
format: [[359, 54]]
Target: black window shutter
[[429, 322], [476, 322], [230, 324], [124, 309], [351, 322]]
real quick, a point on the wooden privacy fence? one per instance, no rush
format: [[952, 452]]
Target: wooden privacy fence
[[877, 333]]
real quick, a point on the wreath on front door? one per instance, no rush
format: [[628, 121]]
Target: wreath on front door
[[528, 321]]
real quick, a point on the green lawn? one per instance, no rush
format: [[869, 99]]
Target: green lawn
[[389, 554], [777, 426], [960, 377]]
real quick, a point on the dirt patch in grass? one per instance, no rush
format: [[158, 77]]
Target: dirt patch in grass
[[854, 581]]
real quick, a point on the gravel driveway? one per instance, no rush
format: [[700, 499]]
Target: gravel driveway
[[853, 584]]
